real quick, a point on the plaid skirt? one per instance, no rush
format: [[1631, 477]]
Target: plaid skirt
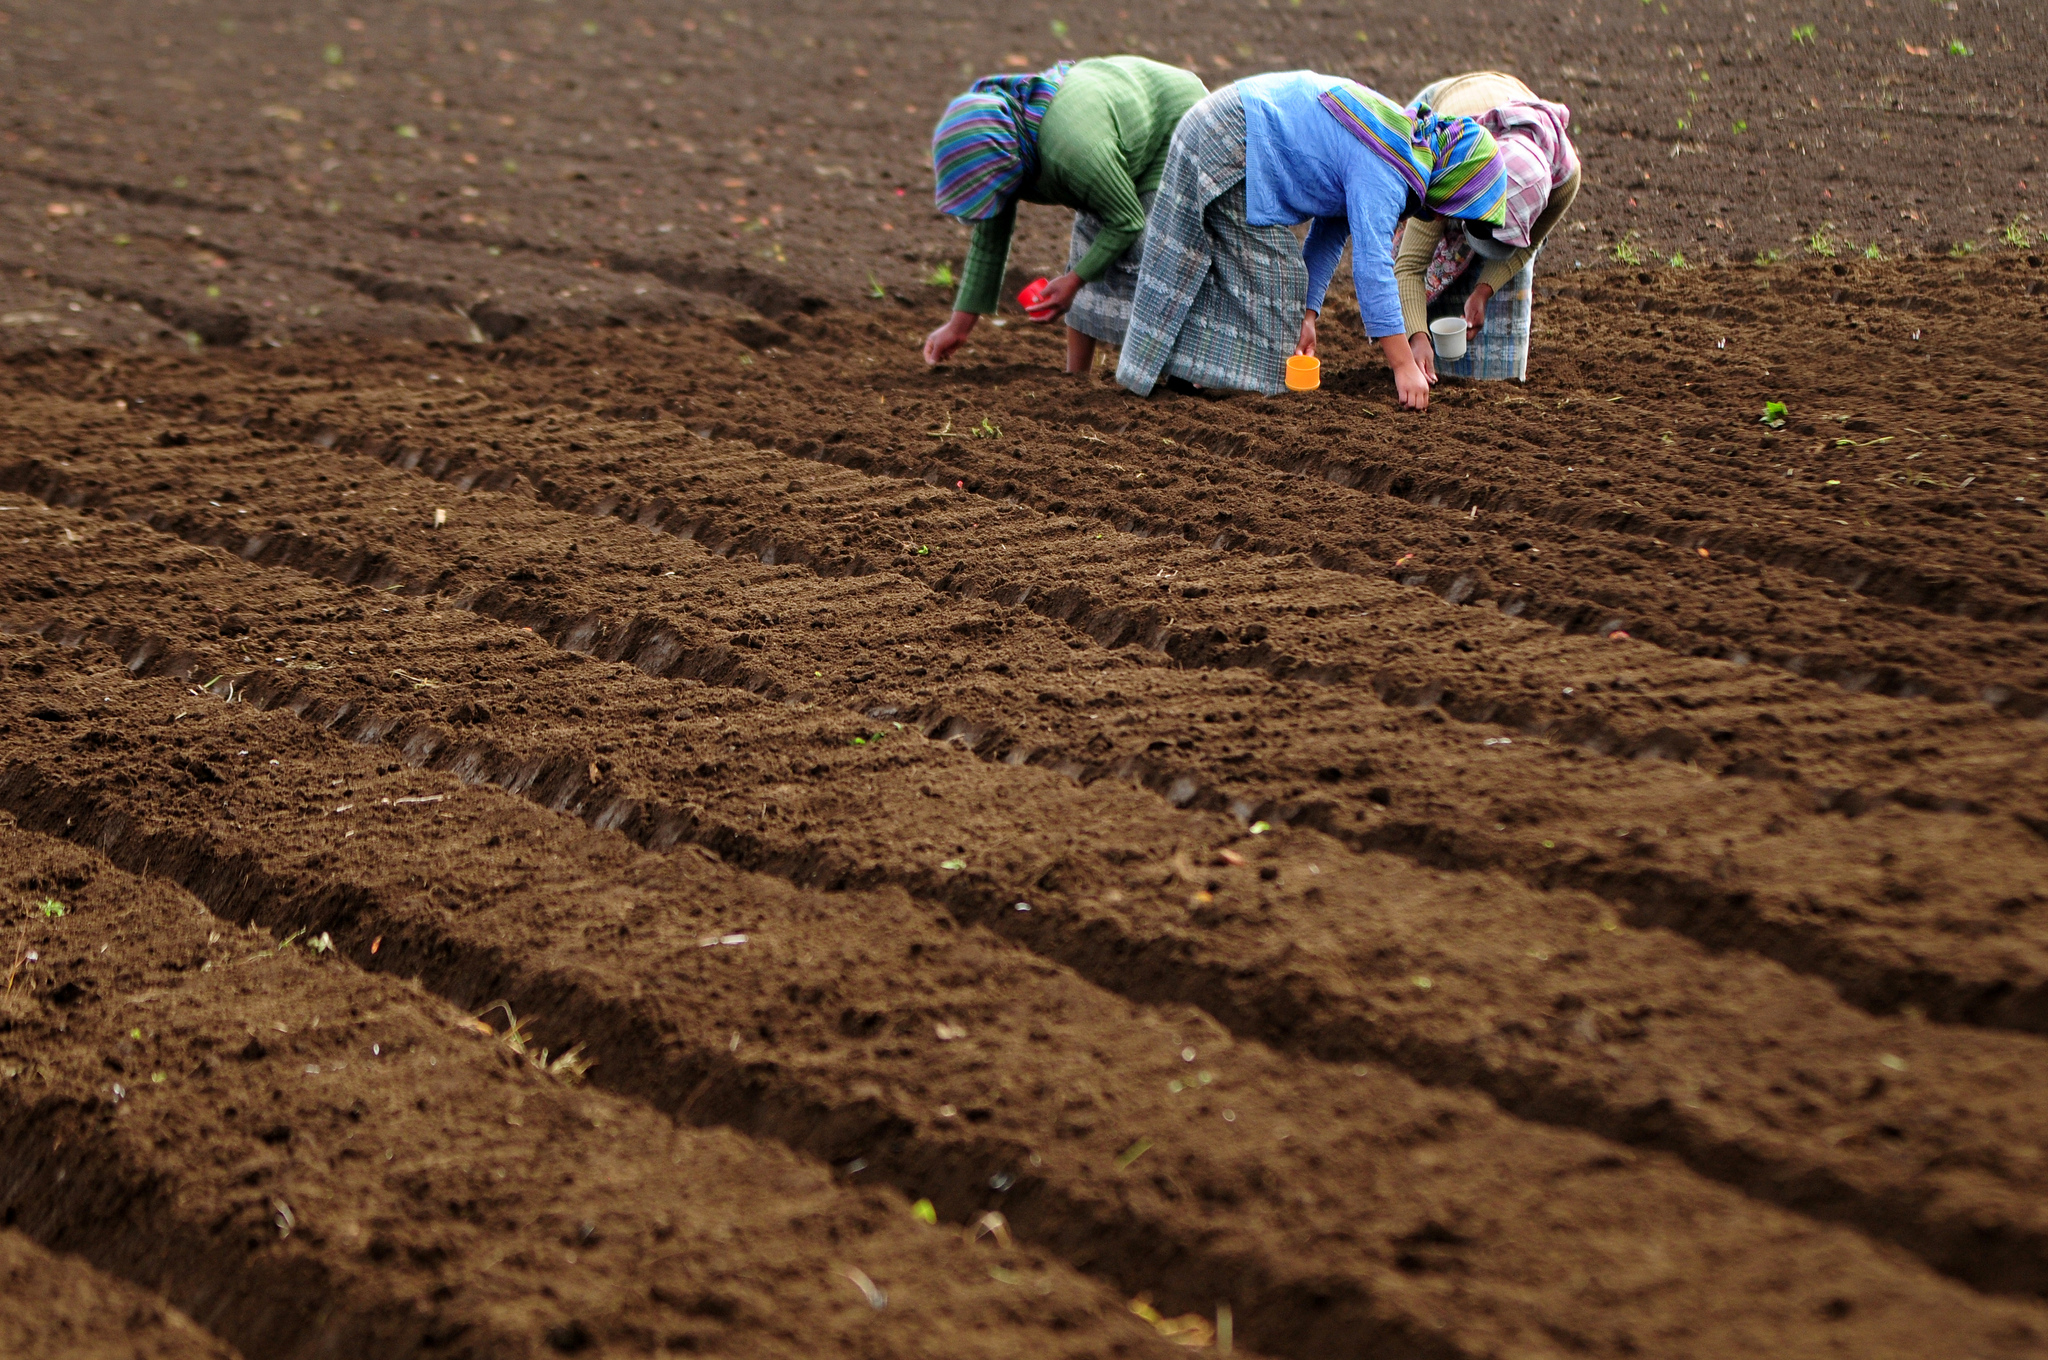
[[1102, 309], [1501, 349], [1219, 301]]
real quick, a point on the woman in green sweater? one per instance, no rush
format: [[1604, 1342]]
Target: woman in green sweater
[[1091, 136]]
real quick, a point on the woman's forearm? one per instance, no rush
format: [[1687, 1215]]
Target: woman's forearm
[[988, 255], [1411, 269]]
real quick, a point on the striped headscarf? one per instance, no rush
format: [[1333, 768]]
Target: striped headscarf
[[985, 147], [1450, 164]]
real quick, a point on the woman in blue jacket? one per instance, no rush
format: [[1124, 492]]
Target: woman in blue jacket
[[1225, 293]]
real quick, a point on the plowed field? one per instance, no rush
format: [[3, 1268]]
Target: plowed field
[[643, 821]]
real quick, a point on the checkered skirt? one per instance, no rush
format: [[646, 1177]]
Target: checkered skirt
[[1219, 302], [1103, 308], [1501, 349]]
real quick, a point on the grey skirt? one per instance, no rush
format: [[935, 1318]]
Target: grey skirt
[[1102, 309], [1219, 301]]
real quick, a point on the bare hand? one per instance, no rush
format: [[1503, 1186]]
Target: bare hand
[[1056, 299], [1475, 309], [1412, 387], [940, 344], [1308, 336], [1425, 354]]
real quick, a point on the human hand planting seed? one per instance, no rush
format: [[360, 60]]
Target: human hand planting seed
[[1475, 309], [940, 344]]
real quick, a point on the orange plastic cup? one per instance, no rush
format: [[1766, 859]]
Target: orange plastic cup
[[1304, 373]]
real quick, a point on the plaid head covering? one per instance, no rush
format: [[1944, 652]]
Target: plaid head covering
[[1537, 155], [985, 146], [1450, 164]]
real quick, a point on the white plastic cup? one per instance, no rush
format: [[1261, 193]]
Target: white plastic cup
[[1447, 334]]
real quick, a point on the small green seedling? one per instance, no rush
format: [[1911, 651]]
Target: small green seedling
[[954, 864], [1766, 258], [2017, 235], [988, 429], [924, 1212], [321, 944], [1625, 252], [1740, 126], [1133, 1153], [1871, 252], [51, 908], [1822, 244], [924, 551], [942, 276], [1956, 48], [332, 55], [1059, 29], [875, 289], [1774, 414], [1804, 34], [1261, 828], [1677, 260], [1961, 249]]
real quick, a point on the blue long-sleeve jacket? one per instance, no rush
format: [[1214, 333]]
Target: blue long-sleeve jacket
[[1301, 165]]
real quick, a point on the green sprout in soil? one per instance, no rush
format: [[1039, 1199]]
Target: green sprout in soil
[[2017, 235], [1962, 248], [875, 289], [954, 864], [1059, 29], [1956, 48], [1766, 258], [1871, 252], [941, 277], [1677, 260], [332, 55], [1804, 34], [1774, 414], [986, 430], [51, 908], [1740, 126], [1625, 251], [1822, 244], [924, 551]]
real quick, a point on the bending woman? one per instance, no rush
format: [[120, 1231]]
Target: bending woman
[[1490, 275], [1089, 136], [1225, 293]]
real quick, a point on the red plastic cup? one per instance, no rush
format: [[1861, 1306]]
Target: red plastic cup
[[1029, 299]]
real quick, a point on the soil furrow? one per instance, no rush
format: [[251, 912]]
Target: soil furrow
[[311, 1159], [772, 1042], [1735, 722], [1131, 932], [62, 1309]]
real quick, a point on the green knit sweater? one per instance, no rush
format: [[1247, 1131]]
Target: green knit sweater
[[1102, 144]]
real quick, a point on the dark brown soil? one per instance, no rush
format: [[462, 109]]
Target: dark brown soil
[[1557, 875], [62, 1309]]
